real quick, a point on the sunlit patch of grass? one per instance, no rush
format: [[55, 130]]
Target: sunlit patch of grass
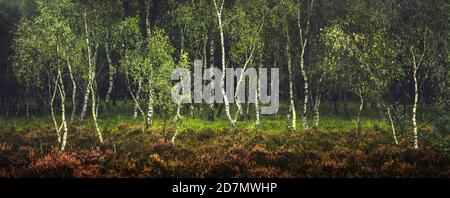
[[267, 124], [110, 117]]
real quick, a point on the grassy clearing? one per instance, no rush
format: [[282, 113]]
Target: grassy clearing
[[272, 124], [268, 124]]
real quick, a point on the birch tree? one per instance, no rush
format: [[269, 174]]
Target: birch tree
[[377, 53], [422, 32], [146, 31], [112, 15], [246, 41], [303, 30], [204, 18], [47, 46], [283, 14], [91, 34], [178, 119], [219, 8], [343, 56], [151, 63], [129, 38], [370, 52], [190, 23]]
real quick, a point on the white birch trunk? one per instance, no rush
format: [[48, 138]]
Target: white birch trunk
[[91, 77], [317, 101], [85, 102], [388, 111], [303, 42], [177, 118], [361, 106], [306, 95], [317, 110], [89, 84], [292, 111], [138, 93], [147, 18], [238, 88], [416, 100], [74, 92], [140, 109], [94, 114], [258, 91], [211, 106], [62, 93], [150, 110], [111, 72], [205, 63], [257, 110], [222, 44], [52, 110]]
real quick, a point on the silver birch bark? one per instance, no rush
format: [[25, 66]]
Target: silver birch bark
[[147, 18], [91, 77], [303, 42], [293, 116], [150, 110], [317, 101], [139, 108], [416, 66], [241, 77], [177, 118], [414, 111], [236, 97], [257, 110], [222, 45], [211, 106], [111, 71], [62, 93], [204, 64], [94, 114], [317, 110], [74, 92], [258, 90], [361, 106], [85, 101], [388, 112], [89, 84], [52, 110], [138, 93]]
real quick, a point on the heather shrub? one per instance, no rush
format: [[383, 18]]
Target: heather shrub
[[130, 152], [55, 164]]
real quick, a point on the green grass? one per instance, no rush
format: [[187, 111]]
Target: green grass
[[122, 114], [267, 124]]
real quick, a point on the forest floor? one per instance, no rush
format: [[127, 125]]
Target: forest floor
[[29, 148]]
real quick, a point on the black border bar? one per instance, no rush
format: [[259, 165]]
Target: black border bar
[[126, 187]]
